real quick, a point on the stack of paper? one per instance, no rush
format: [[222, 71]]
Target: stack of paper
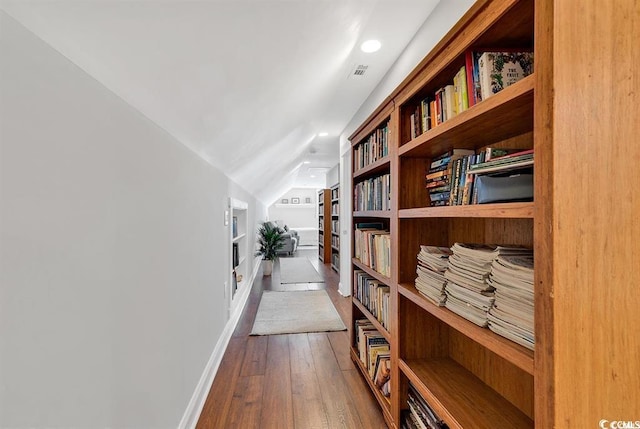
[[432, 263], [512, 314]]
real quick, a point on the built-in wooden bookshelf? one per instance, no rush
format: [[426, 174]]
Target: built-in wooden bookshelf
[[581, 126], [451, 362], [575, 120], [335, 227], [324, 225]]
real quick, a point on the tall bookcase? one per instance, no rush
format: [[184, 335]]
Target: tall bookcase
[[335, 227], [581, 125], [324, 225]]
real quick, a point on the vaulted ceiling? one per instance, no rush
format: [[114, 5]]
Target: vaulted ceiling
[[246, 84]]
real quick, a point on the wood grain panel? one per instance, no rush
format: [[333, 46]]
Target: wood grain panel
[[502, 210], [413, 192], [340, 346], [509, 381], [277, 406], [336, 399], [394, 228], [596, 233], [246, 405], [544, 263], [450, 389], [308, 408], [412, 233], [421, 335], [497, 231], [255, 357], [370, 415]]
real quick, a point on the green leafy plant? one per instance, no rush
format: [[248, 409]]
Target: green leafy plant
[[270, 239]]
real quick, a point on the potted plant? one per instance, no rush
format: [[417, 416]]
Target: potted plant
[[270, 239]]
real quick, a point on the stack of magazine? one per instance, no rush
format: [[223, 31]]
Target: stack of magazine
[[420, 415], [512, 314], [432, 263], [469, 294]]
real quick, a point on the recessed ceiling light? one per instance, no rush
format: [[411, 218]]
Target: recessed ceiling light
[[312, 175], [306, 162], [370, 46], [323, 134]]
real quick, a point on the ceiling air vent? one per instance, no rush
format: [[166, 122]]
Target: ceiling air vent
[[359, 70]]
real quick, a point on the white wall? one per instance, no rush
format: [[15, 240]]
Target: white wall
[[113, 255], [296, 215], [439, 22], [333, 176]]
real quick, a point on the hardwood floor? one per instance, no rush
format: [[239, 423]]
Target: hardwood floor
[[290, 381]]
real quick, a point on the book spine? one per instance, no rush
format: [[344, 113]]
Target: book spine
[[468, 185], [454, 181], [463, 177], [412, 126], [464, 92], [485, 65], [440, 162], [445, 172], [468, 57], [450, 110]]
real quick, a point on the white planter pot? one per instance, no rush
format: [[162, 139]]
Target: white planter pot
[[267, 267]]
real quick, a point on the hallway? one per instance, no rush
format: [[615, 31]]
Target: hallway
[[290, 381]]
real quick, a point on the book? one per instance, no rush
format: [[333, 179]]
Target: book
[[455, 182], [473, 77], [511, 161], [500, 69], [494, 152], [460, 91], [449, 103], [440, 173]]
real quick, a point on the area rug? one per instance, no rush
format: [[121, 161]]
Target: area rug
[[298, 270], [296, 312]]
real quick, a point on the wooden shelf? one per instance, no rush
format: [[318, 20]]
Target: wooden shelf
[[373, 169], [365, 311], [460, 398], [503, 210], [335, 248], [506, 114], [507, 349], [385, 403], [335, 233], [373, 273], [335, 268], [473, 377], [386, 214]]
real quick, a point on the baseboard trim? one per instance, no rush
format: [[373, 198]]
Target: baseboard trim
[[192, 413]]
